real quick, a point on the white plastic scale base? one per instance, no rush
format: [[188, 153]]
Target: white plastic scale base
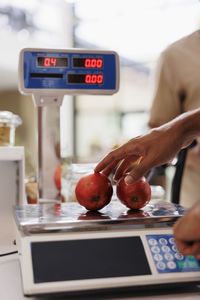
[[64, 248]]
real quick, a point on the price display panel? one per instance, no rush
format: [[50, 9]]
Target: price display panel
[[100, 258], [70, 71]]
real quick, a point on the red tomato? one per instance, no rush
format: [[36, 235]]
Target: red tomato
[[94, 191], [134, 196], [57, 177]]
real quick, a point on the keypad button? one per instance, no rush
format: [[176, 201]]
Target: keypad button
[[174, 248], [158, 257], [168, 256], [152, 242], [161, 265], [172, 240], [155, 249], [163, 241], [171, 265], [165, 249], [179, 256]]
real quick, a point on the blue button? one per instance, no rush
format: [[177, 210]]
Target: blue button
[[168, 256], [163, 241], [152, 242], [165, 249], [161, 265], [158, 257], [155, 249]]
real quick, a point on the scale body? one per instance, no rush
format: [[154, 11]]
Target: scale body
[[63, 248]]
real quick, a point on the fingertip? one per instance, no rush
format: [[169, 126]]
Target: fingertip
[[129, 179], [97, 169]]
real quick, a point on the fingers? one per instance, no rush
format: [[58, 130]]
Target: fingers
[[128, 155], [124, 165], [123, 152], [108, 169], [108, 164], [138, 171], [109, 161], [188, 248]]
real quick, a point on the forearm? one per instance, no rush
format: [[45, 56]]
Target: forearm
[[186, 126]]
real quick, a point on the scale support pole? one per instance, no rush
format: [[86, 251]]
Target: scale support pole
[[48, 144]]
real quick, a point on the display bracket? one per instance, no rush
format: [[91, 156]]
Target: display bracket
[[44, 100]]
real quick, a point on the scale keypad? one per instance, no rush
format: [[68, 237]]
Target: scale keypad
[[166, 256]]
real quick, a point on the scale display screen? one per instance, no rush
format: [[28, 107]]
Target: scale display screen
[[88, 63], [85, 78], [72, 71], [52, 62], [88, 259]]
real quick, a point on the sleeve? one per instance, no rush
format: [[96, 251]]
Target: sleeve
[[165, 104]]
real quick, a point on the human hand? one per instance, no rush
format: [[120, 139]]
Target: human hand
[[187, 232], [155, 148]]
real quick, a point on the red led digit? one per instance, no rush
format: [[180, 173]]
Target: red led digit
[[87, 63], [93, 63], [100, 78], [88, 78], [94, 78], [99, 63], [53, 61], [47, 62]]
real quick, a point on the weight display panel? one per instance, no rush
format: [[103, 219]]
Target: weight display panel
[[87, 63], [167, 257], [88, 259], [75, 70], [52, 62]]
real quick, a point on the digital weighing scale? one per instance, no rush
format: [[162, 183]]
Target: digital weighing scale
[[64, 248]]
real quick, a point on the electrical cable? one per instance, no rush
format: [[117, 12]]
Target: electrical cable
[[9, 253]]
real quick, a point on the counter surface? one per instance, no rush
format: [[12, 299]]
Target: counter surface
[[11, 288]]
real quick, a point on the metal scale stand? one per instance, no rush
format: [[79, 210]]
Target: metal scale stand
[[64, 248]]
